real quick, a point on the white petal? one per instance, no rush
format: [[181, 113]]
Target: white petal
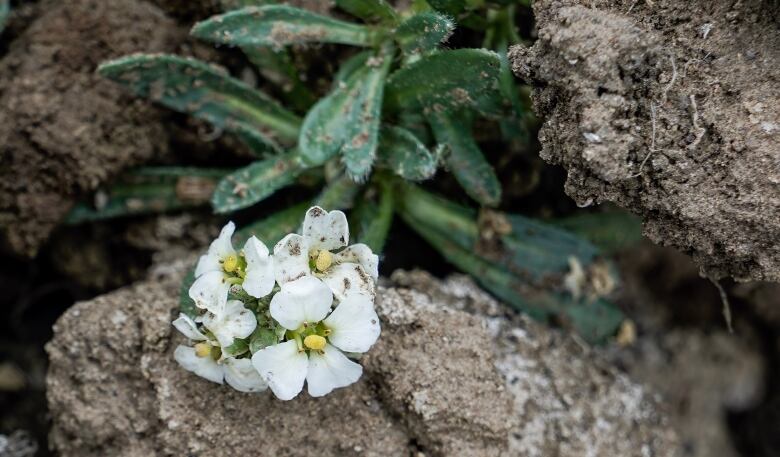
[[242, 376], [360, 254], [188, 328], [325, 230], [259, 280], [210, 292], [330, 370], [291, 258], [205, 367], [222, 246], [207, 263], [283, 368], [235, 322], [349, 279], [303, 300], [354, 324]]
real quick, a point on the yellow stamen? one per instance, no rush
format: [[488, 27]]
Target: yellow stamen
[[315, 342], [230, 263], [324, 260], [203, 349]]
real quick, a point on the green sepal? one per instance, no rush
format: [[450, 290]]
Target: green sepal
[[207, 92], [149, 190], [340, 193], [401, 151], [525, 266], [239, 347], [280, 25], [369, 10], [453, 80], [253, 183], [261, 338], [274, 227], [346, 122], [423, 32], [186, 304], [464, 159]]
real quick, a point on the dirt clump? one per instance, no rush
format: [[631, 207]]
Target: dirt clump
[[64, 129], [669, 109], [451, 375]]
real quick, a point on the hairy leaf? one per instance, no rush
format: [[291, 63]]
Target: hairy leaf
[[340, 193], [346, 122], [349, 67], [274, 227], [611, 231], [423, 32], [369, 10], [149, 190], [280, 25], [371, 220], [255, 182], [406, 155], [5, 9], [186, 304], [452, 7], [261, 338], [510, 263], [448, 81], [206, 92], [465, 160]]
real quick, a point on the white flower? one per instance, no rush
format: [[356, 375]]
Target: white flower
[[207, 359], [349, 271], [222, 267], [316, 339]]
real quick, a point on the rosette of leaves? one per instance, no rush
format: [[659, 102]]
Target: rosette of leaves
[[399, 108]]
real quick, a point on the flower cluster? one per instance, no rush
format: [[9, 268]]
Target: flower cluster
[[277, 320]]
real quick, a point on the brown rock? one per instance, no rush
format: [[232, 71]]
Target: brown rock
[[671, 109], [63, 129], [451, 375]]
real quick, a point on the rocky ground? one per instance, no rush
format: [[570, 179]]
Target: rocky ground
[[671, 110]]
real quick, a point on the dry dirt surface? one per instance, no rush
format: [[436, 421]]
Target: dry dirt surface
[[451, 375], [63, 129], [671, 109]]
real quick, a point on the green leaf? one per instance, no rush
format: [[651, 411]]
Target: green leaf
[[423, 32], [371, 220], [206, 92], [261, 338], [369, 10], [149, 190], [346, 122], [236, 4], [349, 67], [465, 160], [524, 266], [276, 66], [280, 25], [406, 155], [253, 183], [274, 227], [451, 7], [186, 304], [611, 231], [340, 193], [448, 81], [5, 9]]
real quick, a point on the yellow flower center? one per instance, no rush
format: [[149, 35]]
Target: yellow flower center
[[315, 342], [203, 349], [230, 264], [324, 260]]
